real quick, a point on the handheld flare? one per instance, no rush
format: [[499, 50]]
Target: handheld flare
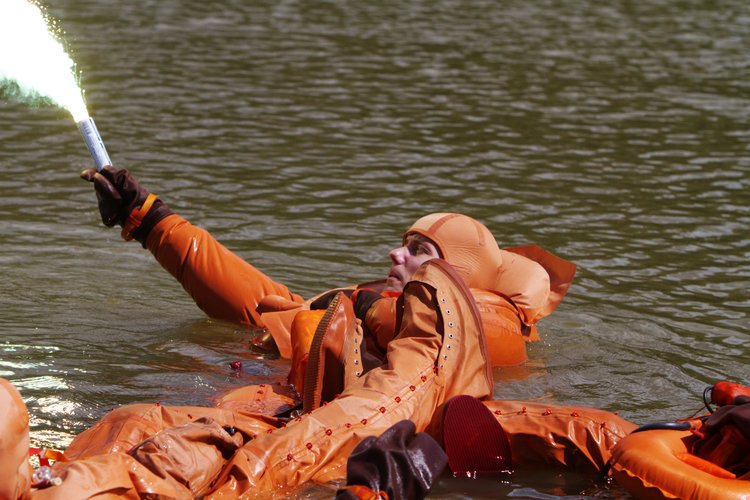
[[94, 142]]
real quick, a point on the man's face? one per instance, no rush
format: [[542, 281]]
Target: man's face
[[406, 260]]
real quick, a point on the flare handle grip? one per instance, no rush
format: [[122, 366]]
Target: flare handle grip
[[94, 143]]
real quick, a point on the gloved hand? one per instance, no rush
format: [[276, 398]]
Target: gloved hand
[[726, 440], [118, 195], [402, 463]]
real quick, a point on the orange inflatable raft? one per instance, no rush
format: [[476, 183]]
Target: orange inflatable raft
[[658, 464], [653, 463]]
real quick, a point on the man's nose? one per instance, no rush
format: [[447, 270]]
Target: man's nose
[[397, 255]]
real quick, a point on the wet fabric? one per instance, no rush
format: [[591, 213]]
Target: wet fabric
[[190, 455], [125, 427], [577, 437], [335, 360]]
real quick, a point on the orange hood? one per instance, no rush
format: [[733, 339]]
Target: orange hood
[[515, 273]]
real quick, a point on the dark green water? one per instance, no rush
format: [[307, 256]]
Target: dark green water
[[307, 136]]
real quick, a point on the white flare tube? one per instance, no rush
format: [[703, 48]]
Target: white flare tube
[[94, 142]]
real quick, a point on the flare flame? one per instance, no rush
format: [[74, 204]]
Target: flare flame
[[33, 62]]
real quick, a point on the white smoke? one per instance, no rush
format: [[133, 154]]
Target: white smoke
[[33, 62]]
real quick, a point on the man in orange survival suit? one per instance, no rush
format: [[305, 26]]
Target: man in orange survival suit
[[436, 349], [514, 288]]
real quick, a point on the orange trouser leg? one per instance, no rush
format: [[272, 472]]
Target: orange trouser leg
[[125, 427], [571, 436], [176, 452], [115, 475]]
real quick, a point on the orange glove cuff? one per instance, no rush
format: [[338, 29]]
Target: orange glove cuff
[[136, 217]]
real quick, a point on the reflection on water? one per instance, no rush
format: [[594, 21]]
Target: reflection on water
[[307, 135]]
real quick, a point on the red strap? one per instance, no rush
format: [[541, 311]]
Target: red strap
[[136, 217], [45, 455]]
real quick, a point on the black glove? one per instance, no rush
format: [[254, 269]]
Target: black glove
[[726, 438], [118, 194], [399, 462], [737, 414]]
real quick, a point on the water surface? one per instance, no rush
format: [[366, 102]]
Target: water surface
[[307, 136]]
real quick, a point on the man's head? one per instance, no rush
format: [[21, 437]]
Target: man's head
[[462, 241], [406, 259]]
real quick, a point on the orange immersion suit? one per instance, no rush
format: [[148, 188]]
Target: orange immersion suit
[[439, 352], [439, 339]]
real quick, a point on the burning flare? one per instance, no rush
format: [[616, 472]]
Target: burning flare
[[34, 65], [35, 60]]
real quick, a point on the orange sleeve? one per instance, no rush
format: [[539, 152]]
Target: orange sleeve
[[222, 284]]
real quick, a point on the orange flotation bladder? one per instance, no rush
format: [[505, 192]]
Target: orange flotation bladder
[[658, 464], [700, 461]]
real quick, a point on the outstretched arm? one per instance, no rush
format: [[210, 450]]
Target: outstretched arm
[[222, 284]]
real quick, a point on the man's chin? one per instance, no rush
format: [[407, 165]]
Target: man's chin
[[393, 284]]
